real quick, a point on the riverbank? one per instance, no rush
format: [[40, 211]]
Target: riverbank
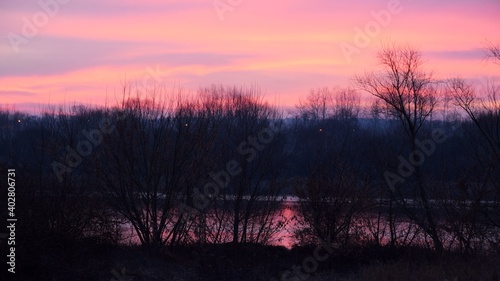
[[88, 261]]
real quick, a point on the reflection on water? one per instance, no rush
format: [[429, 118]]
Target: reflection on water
[[288, 215], [366, 228]]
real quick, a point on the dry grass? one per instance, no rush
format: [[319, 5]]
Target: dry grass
[[485, 269]]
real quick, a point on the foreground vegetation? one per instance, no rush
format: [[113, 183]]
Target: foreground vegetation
[[87, 261]]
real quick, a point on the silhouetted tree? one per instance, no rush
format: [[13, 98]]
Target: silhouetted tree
[[317, 106], [151, 163], [247, 205], [493, 51], [409, 96], [485, 117]]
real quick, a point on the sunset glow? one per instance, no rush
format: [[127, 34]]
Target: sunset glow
[[82, 51]]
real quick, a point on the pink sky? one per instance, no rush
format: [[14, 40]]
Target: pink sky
[[82, 51]]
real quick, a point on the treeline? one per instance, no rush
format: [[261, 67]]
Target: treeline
[[420, 166]]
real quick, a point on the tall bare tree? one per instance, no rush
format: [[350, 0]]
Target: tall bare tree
[[409, 95]]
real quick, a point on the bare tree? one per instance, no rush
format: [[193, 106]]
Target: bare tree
[[325, 103], [247, 205], [328, 168], [58, 211], [409, 96], [405, 88], [485, 115], [466, 98], [317, 106], [346, 104], [330, 196], [152, 161], [492, 51]]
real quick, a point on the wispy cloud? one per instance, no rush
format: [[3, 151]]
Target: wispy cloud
[[285, 47], [17, 93]]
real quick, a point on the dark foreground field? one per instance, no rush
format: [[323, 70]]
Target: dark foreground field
[[88, 261]]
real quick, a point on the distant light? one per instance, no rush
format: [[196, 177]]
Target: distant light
[[321, 129], [186, 124], [18, 120]]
